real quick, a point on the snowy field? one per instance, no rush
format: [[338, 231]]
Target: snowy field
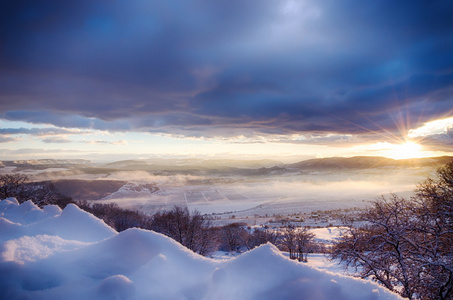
[[53, 254], [267, 195], [226, 194]]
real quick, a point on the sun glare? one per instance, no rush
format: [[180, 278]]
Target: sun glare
[[406, 150]]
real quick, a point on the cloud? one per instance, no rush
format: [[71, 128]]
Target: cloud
[[56, 140], [97, 142], [435, 135], [100, 142], [120, 142], [441, 126], [6, 139], [49, 135], [38, 153], [440, 141], [227, 68], [314, 138], [40, 131]]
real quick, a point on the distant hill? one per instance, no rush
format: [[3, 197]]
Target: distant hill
[[191, 164], [45, 163], [367, 162], [226, 167]]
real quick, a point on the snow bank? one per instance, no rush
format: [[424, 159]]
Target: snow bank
[[53, 254]]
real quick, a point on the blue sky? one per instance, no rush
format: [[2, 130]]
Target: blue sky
[[268, 78]]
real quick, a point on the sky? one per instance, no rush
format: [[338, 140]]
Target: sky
[[247, 79]]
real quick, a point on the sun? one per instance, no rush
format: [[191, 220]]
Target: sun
[[406, 150]]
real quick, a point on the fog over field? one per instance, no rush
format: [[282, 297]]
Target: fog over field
[[266, 194], [239, 188]]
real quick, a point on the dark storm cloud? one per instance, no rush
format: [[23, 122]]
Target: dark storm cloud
[[227, 67]]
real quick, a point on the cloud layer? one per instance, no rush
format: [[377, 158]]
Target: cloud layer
[[227, 68]]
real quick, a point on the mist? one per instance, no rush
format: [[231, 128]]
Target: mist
[[220, 187], [262, 194]]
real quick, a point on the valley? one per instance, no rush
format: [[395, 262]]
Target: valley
[[253, 192]]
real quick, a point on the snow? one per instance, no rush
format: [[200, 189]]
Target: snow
[[321, 262], [327, 235], [69, 254]]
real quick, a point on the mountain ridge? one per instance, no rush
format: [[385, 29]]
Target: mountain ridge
[[242, 166], [367, 162]]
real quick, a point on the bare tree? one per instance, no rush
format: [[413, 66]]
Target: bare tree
[[434, 242], [191, 230], [380, 248], [262, 236], [11, 185], [116, 217], [407, 245], [233, 237], [434, 211], [304, 243], [41, 193], [297, 242], [288, 241]]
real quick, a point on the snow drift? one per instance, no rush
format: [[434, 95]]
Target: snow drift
[[69, 254]]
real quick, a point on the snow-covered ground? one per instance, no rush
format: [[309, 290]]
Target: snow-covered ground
[[327, 235], [251, 197], [226, 194], [53, 254]]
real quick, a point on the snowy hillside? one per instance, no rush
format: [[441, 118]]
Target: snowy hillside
[[53, 254]]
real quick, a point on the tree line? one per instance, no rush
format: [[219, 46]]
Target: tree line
[[41, 193], [194, 231]]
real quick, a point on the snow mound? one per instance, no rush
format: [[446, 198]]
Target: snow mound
[[28, 248], [115, 287], [76, 224], [72, 223], [70, 254]]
